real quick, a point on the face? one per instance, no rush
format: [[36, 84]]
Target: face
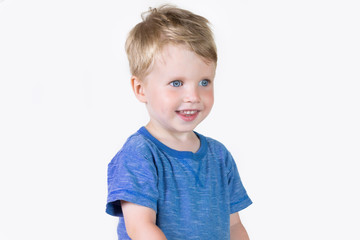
[[178, 91]]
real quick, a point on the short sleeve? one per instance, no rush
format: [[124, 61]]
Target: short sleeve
[[132, 177], [239, 198]]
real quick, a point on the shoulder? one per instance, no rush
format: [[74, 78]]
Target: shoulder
[[134, 158], [215, 146], [136, 148], [136, 142], [217, 150]]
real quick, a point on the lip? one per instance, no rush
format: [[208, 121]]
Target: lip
[[188, 115]]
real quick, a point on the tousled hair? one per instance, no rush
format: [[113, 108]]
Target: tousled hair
[[168, 25]]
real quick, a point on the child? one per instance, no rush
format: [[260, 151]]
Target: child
[[169, 182]]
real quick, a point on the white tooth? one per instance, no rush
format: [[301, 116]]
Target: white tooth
[[189, 112]]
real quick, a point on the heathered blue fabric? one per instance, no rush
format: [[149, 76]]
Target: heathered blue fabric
[[193, 194]]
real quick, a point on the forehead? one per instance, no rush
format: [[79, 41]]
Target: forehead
[[179, 58]]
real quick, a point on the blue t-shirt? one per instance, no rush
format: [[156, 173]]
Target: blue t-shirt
[[193, 194]]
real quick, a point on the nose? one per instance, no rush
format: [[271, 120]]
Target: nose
[[192, 95]]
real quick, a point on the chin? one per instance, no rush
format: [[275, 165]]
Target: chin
[[187, 128]]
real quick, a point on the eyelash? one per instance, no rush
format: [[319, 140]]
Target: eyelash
[[178, 83]]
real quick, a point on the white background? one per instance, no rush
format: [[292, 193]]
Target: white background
[[287, 107]]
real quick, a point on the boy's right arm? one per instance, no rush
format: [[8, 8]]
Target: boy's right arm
[[140, 222]]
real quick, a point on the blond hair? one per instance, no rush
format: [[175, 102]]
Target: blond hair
[[168, 25]]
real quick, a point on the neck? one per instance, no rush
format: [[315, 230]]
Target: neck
[[187, 141]]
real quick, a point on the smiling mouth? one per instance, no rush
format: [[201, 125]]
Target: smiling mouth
[[188, 112], [188, 115]]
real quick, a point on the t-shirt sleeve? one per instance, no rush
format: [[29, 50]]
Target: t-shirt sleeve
[[132, 177], [239, 198]]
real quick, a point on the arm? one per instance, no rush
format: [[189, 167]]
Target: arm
[[237, 230], [140, 222]]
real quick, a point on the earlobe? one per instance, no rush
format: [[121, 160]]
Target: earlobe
[[138, 88]]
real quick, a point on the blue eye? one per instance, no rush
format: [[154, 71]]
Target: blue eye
[[176, 83], [204, 82]]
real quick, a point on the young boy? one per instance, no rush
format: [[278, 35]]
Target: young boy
[[169, 182]]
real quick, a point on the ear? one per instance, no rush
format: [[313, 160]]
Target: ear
[[138, 88]]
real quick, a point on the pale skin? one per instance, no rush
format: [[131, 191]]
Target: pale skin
[[179, 80], [178, 94]]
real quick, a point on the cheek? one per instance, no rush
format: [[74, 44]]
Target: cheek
[[166, 101], [170, 97], [209, 97]]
